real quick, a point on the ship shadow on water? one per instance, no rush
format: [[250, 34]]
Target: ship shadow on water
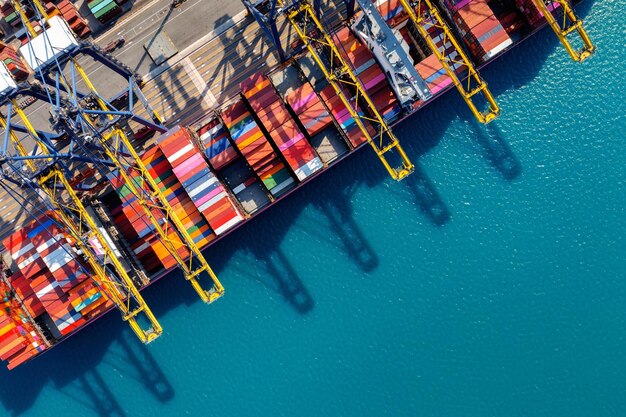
[[79, 369]]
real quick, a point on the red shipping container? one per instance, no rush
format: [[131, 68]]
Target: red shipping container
[[257, 151], [315, 120], [12, 348], [263, 99], [269, 160], [472, 14], [272, 107], [21, 357], [274, 119], [253, 83], [233, 114], [299, 154]]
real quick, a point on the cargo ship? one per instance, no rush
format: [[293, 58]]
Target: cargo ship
[[284, 128]]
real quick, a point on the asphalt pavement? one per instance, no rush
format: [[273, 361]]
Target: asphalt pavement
[[183, 25]]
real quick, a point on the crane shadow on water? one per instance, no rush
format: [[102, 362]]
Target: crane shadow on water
[[79, 378]]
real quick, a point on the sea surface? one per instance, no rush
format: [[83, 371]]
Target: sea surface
[[490, 283]]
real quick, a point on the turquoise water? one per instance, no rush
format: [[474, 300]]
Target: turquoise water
[[490, 284]]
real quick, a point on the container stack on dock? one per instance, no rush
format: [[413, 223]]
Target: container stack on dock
[[104, 10], [205, 190], [10, 14], [71, 15], [14, 62], [481, 30], [60, 286], [255, 148], [282, 129]]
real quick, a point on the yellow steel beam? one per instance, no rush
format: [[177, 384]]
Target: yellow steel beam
[[42, 10], [341, 73], [475, 84], [20, 10], [121, 290], [154, 198], [570, 23]]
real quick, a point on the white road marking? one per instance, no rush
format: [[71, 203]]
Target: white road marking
[[201, 86]]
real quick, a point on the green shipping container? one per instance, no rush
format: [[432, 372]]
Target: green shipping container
[[94, 3], [107, 9], [98, 8]]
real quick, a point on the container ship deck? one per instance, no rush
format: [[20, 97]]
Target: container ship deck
[[225, 159]]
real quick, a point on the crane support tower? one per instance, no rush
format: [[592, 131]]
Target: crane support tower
[[340, 75], [570, 23], [392, 53], [473, 86], [47, 171], [100, 124]]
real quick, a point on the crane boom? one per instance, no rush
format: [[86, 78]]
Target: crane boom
[[118, 286]]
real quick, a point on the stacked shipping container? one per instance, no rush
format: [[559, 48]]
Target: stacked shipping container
[[310, 110], [218, 149], [182, 205], [19, 340], [14, 63], [480, 28], [256, 149], [136, 226], [58, 281], [203, 187], [72, 16], [10, 15], [222, 156], [282, 129], [104, 10], [343, 116]]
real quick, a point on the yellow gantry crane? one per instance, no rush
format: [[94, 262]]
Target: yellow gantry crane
[[172, 233], [118, 286], [474, 85], [301, 17], [149, 197], [570, 23]]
